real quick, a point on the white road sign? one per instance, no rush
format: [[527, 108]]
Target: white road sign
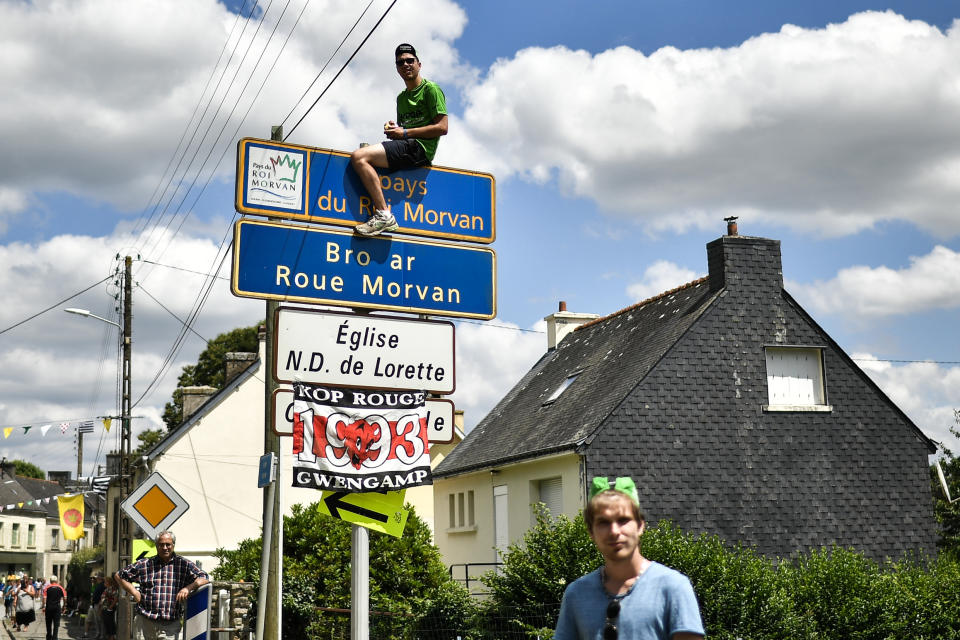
[[440, 414], [378, 352]]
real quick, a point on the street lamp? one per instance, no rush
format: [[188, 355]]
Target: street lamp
[[87, 314], [126, 329]]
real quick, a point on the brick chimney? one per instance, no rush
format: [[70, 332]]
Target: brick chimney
[[743, 263], [562, 322], [236, 363], [193, 399]]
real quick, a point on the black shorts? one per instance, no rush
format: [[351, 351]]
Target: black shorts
[[405, 154]]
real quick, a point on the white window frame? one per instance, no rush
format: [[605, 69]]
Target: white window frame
[[15, 535], [462, 512], [31, 536], [554, 503], [795, 379]]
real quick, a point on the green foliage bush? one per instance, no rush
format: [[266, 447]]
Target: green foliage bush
[[826, 594], [407, 577]]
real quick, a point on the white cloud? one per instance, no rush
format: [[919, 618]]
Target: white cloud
[[927, 392], [490, 360], [929, 283], [828, 130], [59, 367], [659, 277], [98, 92]]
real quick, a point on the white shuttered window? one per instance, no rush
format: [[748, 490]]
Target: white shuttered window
[[794, 376], [550, 493]]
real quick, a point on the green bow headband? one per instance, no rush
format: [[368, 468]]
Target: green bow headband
[[623, 485]]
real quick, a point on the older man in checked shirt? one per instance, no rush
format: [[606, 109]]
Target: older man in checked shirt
[[165, 581]]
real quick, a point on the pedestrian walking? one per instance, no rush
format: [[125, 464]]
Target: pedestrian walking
[[24, 604], [54, 598]]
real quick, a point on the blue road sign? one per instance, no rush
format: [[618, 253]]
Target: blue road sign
[[289, 262], [267, 471], [197, 618], [309, 184]]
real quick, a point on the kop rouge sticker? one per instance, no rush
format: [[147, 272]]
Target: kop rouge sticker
[[359, 440]]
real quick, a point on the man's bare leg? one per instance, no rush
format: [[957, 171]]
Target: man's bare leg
[[365, 161]]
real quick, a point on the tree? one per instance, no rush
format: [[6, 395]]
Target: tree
[[28, 470], [147, 439], [209, 369], [406, 573], [948, 515]]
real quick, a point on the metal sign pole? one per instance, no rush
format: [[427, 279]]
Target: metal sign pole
[[265, 559], [360, 584]]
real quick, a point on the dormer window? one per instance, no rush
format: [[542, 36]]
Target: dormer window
[[563, 387], [795, 379]]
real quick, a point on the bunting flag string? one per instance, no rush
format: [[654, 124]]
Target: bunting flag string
[[38, 501], [82, 425]]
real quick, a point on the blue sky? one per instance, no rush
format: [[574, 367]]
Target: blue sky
[[620, 133]]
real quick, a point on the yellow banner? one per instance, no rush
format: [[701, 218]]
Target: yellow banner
[[71, 516]]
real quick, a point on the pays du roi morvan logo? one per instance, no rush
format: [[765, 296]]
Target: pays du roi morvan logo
[[275, 178]]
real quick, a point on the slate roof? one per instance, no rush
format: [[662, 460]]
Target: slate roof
[[13, 492], [612, 354]]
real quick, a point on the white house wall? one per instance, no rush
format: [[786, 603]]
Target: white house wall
[[475, 543]]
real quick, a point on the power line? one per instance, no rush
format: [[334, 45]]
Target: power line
[[209, 127], [325, 64], [181, 321], [184, 269], [196, 108], [908, 361], [334, 79], [54, 306]]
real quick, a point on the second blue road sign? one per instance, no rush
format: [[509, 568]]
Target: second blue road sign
[[307, 264]]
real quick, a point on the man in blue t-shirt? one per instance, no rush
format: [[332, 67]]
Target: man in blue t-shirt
[[629, 597], [413, 138]]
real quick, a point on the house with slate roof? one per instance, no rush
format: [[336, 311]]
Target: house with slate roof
[[30, 536], [733, 410]]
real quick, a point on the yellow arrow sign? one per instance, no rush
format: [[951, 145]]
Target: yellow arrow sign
[[381, 512], [143, 549]]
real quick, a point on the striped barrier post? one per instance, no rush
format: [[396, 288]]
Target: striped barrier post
[[197, 625]]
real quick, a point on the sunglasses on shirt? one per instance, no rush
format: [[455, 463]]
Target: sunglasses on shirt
[[610, 631]]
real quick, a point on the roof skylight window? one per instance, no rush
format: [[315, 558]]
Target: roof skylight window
[[563, 387]]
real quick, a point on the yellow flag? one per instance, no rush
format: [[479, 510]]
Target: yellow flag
[[71, 516], [106, 424], [7, 431]]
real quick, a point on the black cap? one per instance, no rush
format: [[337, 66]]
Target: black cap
[[405, 48]]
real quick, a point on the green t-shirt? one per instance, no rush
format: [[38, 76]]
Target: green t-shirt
[[418, 108]]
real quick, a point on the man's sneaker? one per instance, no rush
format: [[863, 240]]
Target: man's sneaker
[[379, 222]]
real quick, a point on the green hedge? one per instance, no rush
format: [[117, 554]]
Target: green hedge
[[822, 595]]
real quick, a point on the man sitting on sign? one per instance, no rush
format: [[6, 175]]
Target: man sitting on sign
[[413, 138]]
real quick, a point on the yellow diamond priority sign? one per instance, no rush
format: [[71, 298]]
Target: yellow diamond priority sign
[[154, 505]]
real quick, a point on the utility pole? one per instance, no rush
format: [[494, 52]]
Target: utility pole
[[125, 463], [271, 499]]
